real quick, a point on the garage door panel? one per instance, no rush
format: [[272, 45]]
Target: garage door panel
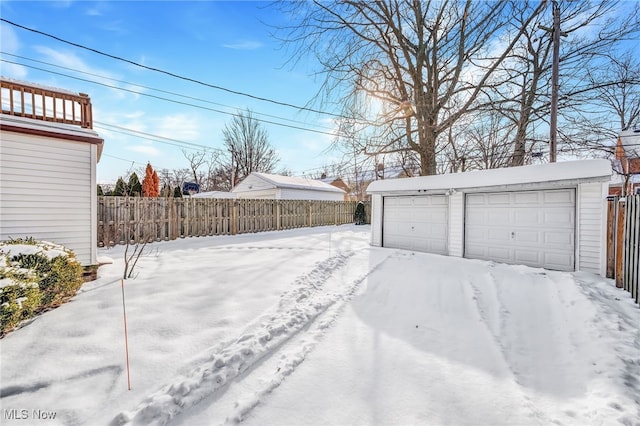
[[561, 197], [561, 218], [498, 254], [556, 260], [527, 256], [529, 237], [524, 217], [497, 199], [558, 238], [416, 223], [497, 234], [525, 198], [535, 228]]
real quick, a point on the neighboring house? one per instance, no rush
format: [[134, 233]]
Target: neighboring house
[[627, 164], [338, 183], [267, 186], [214, 194], [548, 215], [48, 156]]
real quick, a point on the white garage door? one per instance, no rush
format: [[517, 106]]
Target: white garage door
[[535, 228], [416, 223]]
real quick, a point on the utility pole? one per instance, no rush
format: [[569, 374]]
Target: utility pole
[[553, 121], [554, 84]]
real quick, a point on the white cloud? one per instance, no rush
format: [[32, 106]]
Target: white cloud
[[11, 44], [144, 149], [97, 9], [178, 126], [244, 45], [70, 60]]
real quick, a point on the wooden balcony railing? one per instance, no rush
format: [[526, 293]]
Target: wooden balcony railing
[[40, 103]]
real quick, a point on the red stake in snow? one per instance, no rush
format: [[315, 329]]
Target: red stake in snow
[[126, 338]]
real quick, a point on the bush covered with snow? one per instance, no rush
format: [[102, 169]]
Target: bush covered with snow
[[34, 276]]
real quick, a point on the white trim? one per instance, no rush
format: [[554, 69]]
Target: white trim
[[94, 206]]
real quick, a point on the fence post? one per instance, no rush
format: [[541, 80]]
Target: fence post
[[278, 215], [234, 218], [620, 243], [612, 203]]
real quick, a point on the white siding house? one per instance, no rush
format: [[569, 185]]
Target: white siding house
[[548, 215], [276, 187], [214, 194], [48, 183]]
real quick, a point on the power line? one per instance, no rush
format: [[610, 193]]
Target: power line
[[154, 138], [173, 100], [171, 74], [131, 84]]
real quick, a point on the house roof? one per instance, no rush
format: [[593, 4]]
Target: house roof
[[279, 181], [538, 173], [63, 131], [630, 141]]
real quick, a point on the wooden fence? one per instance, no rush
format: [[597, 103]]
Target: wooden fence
[[159, 219], [623, 243]]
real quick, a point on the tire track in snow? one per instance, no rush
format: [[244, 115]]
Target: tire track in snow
[[297, 309], [289, 361], [496, 322]]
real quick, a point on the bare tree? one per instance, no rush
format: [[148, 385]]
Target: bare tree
[[612, 104], [425, 63], [591, 30], [248, 147]]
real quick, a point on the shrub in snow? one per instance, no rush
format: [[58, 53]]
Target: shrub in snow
[[34, 276], [360, 217]]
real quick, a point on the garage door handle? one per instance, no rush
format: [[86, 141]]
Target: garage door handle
[[513, 235]]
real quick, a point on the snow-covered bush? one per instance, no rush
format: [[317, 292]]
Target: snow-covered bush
[[360, 216], [34, 276]]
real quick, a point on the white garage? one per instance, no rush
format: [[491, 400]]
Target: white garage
[[416, 223], [548, 215]]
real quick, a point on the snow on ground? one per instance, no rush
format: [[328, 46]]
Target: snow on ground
[[313, 326]]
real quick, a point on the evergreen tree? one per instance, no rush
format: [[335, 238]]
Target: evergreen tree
[[156, 182], [166, 191], [177, 193], [135, 188], [100, 192], [150, 186], [121, 188], [360, 217]]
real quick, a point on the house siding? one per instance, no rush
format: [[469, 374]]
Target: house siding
[[303, 194], [45, 194], [590, 227], [269, 194], [456, 224]]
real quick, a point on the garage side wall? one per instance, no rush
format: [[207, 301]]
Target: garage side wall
[[376, 220], [591, 227], [456, 224], [46, 188]]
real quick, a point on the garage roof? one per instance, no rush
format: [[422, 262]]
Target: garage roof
[[278, 181], [599, 170]]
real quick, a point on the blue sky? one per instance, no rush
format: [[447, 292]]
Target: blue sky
[[226, 44]]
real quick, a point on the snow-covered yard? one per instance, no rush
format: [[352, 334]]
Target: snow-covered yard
[[314, 326]]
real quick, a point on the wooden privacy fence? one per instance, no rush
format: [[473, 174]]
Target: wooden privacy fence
[[623, 243], [139, 219]]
